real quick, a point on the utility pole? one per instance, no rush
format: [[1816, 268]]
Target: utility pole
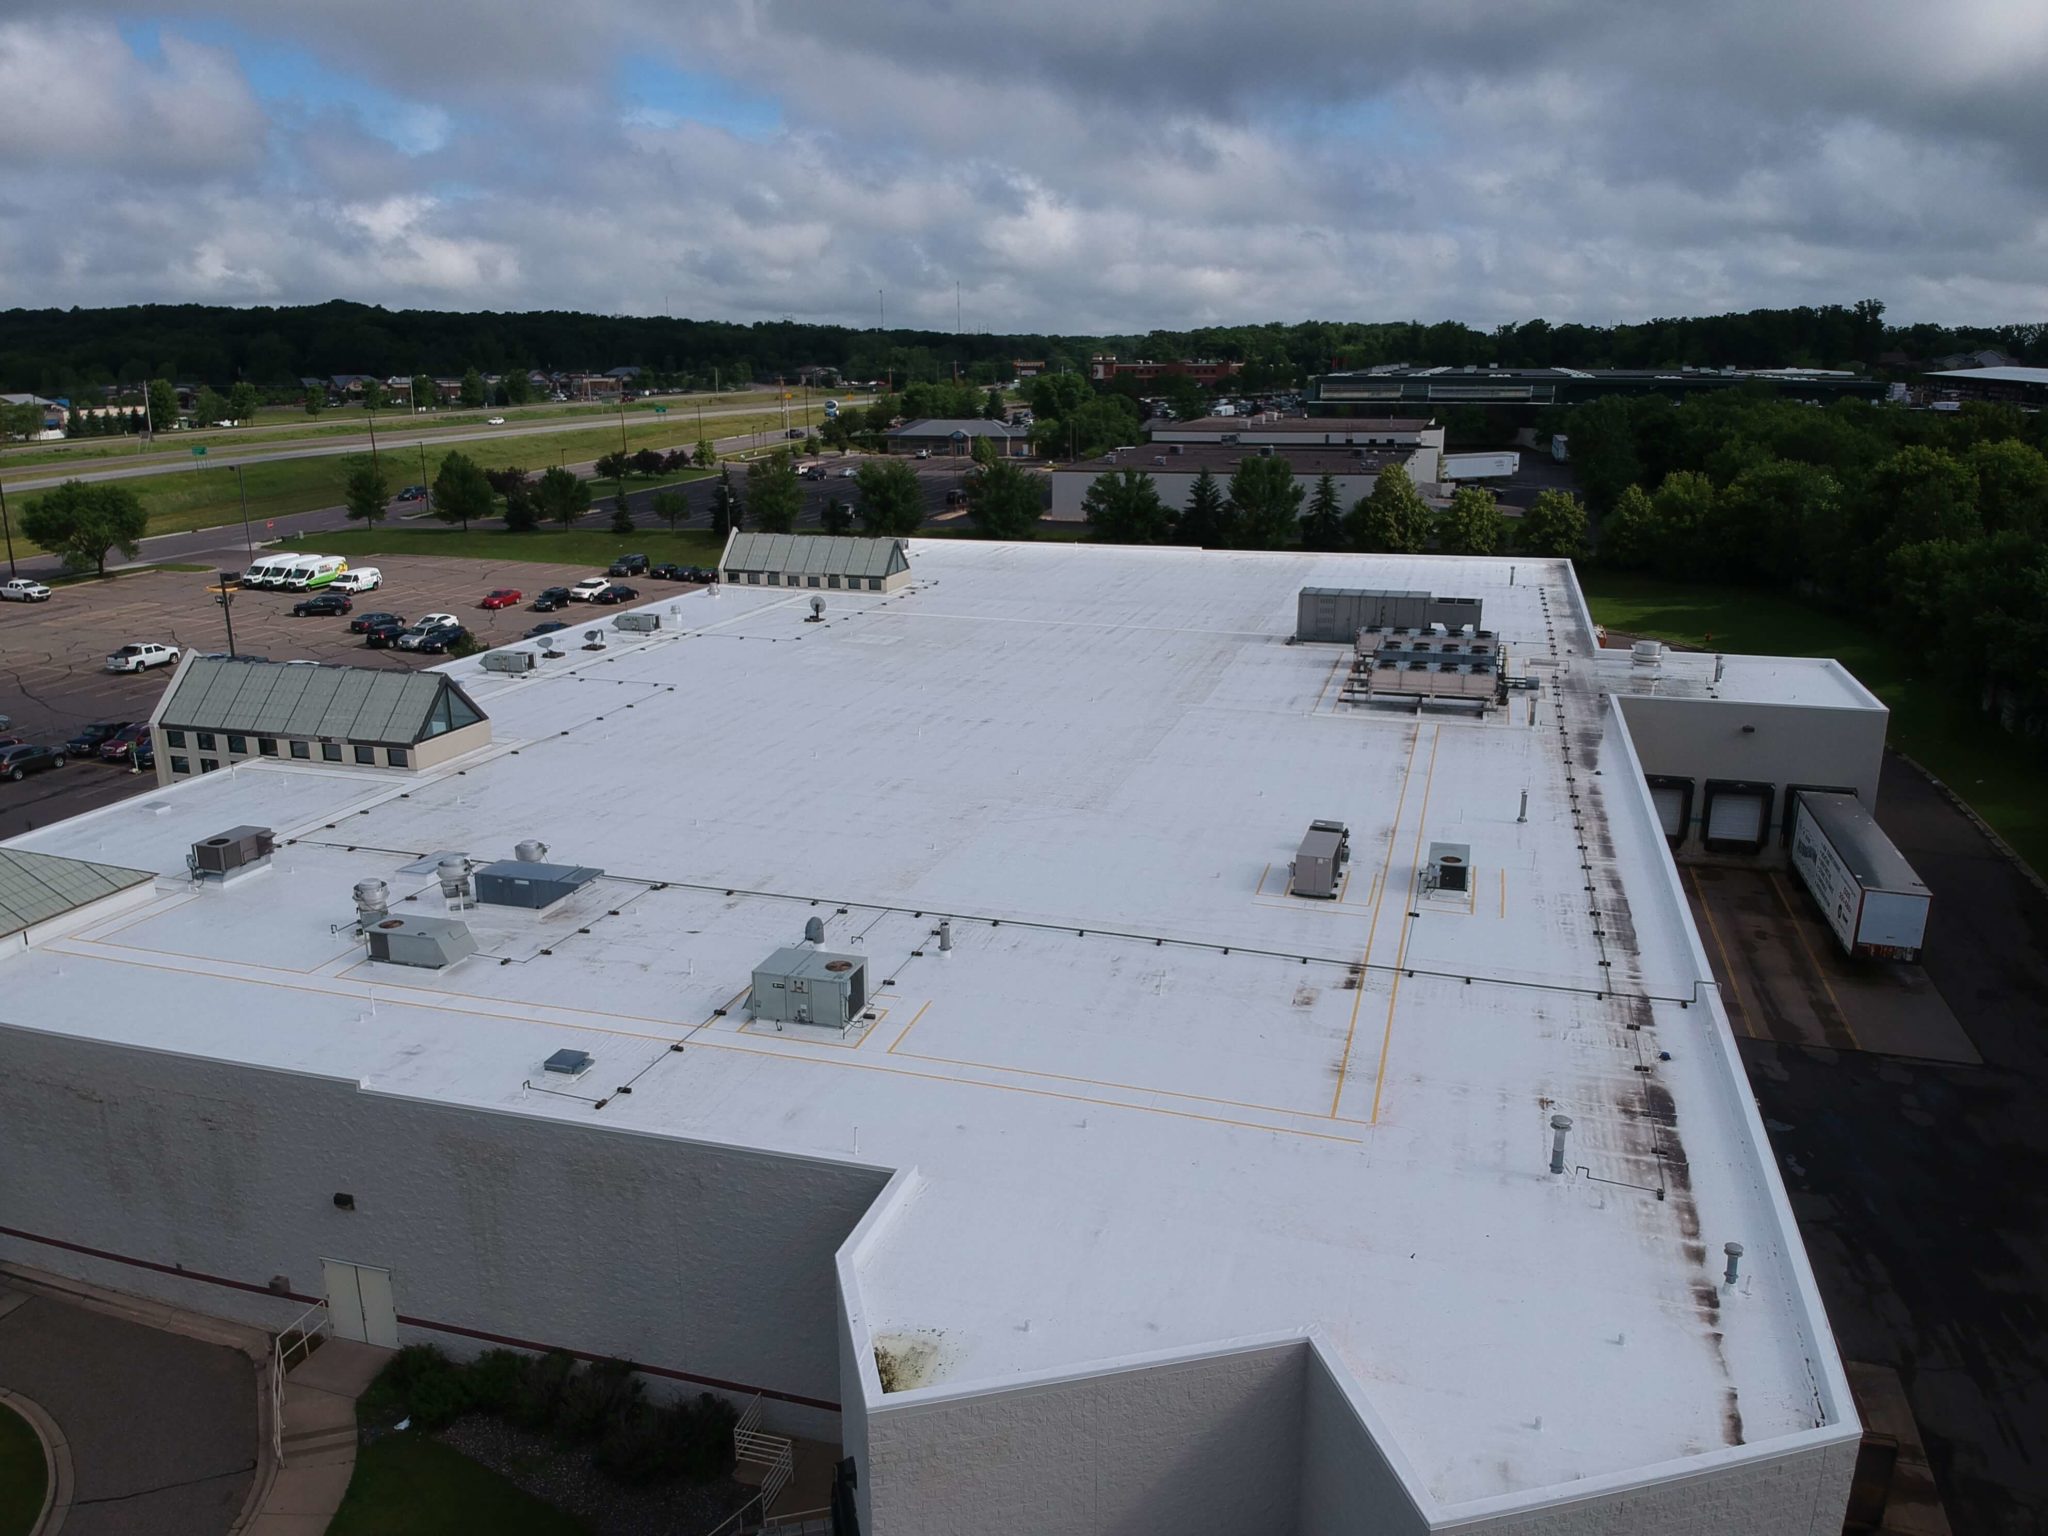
[[372, 415], [7, 528], [622, 416], [247, 537], [426, 484]]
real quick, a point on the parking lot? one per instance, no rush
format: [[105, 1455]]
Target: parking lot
[[53, 677]]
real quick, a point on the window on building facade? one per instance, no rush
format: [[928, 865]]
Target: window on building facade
[[301, 749], [174, 738], [206, 741], [266, 746], [208, 765], [366, 755], [181, 765], [397, 757], [330, 751], [239, 744]]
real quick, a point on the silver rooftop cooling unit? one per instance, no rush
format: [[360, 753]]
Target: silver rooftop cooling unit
[[801, 985], [508, 661], [1450, 866], [427, 942], [637, 623], [226, 852]]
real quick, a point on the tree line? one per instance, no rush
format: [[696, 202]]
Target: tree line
[[73, 352], [1933, 524]]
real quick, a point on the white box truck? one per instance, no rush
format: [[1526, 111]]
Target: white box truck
[[1867, 891]]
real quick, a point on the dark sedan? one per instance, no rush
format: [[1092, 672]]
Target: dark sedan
[[617, 592], [553, 599], [24, 758], [88, 741], [379, 637], [440, 638], [363, 623], [322, 604]]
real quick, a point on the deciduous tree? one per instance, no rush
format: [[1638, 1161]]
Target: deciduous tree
[[163, 405], [1268, 502], [1628, 533], [368, 493], [563, 497], [1471, 525], [82, 522], [1554, 525], [460, 491], [774, 493], [891, 500], [1005, 500], [242, 403], [472, 394], [1123, 507], [1392, 518]]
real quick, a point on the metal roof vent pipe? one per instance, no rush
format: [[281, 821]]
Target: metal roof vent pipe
[[1524, 816], [814, 931], [1559, 1124], [532, 851], [453, 873], [373, 901], [945, 934], [1734, 1252]]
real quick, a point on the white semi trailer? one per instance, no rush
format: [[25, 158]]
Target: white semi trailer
[[1867, 891]]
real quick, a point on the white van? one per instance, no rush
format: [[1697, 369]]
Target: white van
[[360, 578], [311, 572], [268, 571]]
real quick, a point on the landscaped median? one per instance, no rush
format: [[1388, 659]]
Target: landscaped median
[[24, 1479], [544, 1444]]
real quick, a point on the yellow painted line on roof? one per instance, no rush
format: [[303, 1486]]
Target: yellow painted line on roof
[[1401, 953], [1351, 1029]]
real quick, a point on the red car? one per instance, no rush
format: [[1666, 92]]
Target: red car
[[504, 597]]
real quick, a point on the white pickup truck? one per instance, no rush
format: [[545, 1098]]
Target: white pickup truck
[[141, 657], [22, 590]]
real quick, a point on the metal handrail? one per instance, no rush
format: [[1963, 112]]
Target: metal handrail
[[303, 1331]]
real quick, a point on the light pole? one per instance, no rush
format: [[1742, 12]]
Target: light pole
[[7, 528], [225, 596], [242, 485], [371, 412]]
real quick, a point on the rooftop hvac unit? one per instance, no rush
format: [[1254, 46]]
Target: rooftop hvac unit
[[801, 985], [236, 848], [1318, 867], [637, 623], [508, 661], [427, 942], [1450, 866], [529, 883]]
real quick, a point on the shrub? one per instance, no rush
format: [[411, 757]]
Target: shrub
[[699, 1434], [540, 1390], [419, 1383], [593, 1398], [494, 1379], [636, 1446]]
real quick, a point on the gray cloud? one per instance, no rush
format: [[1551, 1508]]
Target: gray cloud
[[1071, 165]]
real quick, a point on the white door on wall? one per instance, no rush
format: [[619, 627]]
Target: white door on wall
[[1736, 817], [359, 1303]]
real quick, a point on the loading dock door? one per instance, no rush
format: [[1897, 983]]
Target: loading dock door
[[359, 1303], [1674, 808], [1736, 815]]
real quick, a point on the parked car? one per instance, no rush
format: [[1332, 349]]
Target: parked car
[[363, 623], [22, 590], [795, 432], [812, 472], [617, 592], [697, 573], [437, 640], [543, 629], [142, 656], [322, 604], [385, 633], [588, 588], [665, 573], [549, 600], [495, 421], [24, 758], [115, 749], [503, 597], [91, 738], [413, 493], [628, 565], [924, 453], [358, 579], [955, 498], [431, 620], [848, 473]]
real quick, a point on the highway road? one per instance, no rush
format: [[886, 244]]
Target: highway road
[[402, 433]]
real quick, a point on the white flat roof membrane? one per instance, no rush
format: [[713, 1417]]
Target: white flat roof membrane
[[1152, 1101]]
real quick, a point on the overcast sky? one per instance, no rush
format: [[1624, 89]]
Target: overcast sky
[[1073, 165]]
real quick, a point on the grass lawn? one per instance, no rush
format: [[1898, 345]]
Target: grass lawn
[[1933, 720], [22, 1474], [409, 1485], [594, 547], [207, 495]]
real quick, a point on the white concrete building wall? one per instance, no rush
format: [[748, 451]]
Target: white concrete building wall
[[1349, 1481], [707, 1262], [1208, 1445], [1702, 739]]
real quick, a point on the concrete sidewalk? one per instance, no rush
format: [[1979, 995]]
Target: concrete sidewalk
[[319, 1439]]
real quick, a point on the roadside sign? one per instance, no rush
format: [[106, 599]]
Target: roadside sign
[[199, 450], [661, 410]]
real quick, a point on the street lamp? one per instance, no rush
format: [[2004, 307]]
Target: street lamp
[[225, 596], [243, 485]]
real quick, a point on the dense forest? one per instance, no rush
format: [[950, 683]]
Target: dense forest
[[70, 352], [1934, 524]]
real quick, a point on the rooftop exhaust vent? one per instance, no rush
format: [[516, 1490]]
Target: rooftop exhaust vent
[[509, 661], [568, 1063], [226, 852], [637, 623]]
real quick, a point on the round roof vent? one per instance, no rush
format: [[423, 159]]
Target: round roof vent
[[838, 965]]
